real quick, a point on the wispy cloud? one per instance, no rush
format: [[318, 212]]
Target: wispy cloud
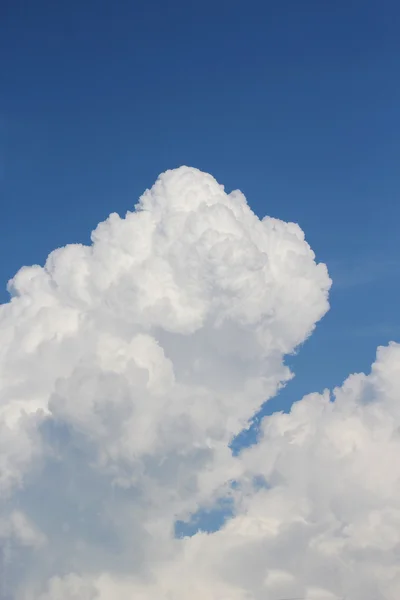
[[364, 271]]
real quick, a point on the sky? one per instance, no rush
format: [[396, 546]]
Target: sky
[[293, 103]]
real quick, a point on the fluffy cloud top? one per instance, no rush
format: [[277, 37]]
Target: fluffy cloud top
[[127, 367]]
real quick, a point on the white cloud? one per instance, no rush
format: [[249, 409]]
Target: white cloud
[[127, 367]]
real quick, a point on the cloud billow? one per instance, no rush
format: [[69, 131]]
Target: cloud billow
[[126, 369]]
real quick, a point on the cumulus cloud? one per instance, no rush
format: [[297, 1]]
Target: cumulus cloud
[[127, 368]]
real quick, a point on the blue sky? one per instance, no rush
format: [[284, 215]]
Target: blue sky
[[295, 103]]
